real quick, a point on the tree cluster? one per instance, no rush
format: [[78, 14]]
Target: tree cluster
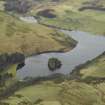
[[9, 59], [19, 6]]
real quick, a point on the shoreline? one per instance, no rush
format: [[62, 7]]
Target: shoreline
[[53, 51], [29, 82], [75, 74], [58, 77], [58, 27], [32, 81], [54, 27]]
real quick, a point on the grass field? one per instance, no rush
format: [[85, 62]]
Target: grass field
[[65, 93], [68, 16], [95, 68], [18, 36], [91, 72]]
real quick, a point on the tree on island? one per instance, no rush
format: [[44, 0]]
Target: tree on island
[[54, 64]]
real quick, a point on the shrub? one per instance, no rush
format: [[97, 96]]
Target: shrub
[[20, 6], [47, 13], [54, 64]]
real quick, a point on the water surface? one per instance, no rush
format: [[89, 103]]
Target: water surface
[[88, 47]]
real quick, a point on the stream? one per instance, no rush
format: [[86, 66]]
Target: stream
[[89, 46]]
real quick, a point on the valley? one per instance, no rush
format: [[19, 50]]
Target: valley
[[34, 31]]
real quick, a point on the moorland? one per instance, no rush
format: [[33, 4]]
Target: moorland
[[85, 85]]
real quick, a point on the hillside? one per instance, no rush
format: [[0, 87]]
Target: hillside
[[18, 36], [65, 93], [83, 15], [92, 71]]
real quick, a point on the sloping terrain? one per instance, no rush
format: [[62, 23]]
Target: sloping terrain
[[65, 93], [92, 71], [86, 84], [18, 36], [69, 16]]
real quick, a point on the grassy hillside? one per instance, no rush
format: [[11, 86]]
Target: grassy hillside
[[65, 93], [18, 36], [92, 71], [94, 68], [68, 16]]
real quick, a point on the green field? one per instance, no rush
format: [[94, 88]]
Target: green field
[[68, 16]]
